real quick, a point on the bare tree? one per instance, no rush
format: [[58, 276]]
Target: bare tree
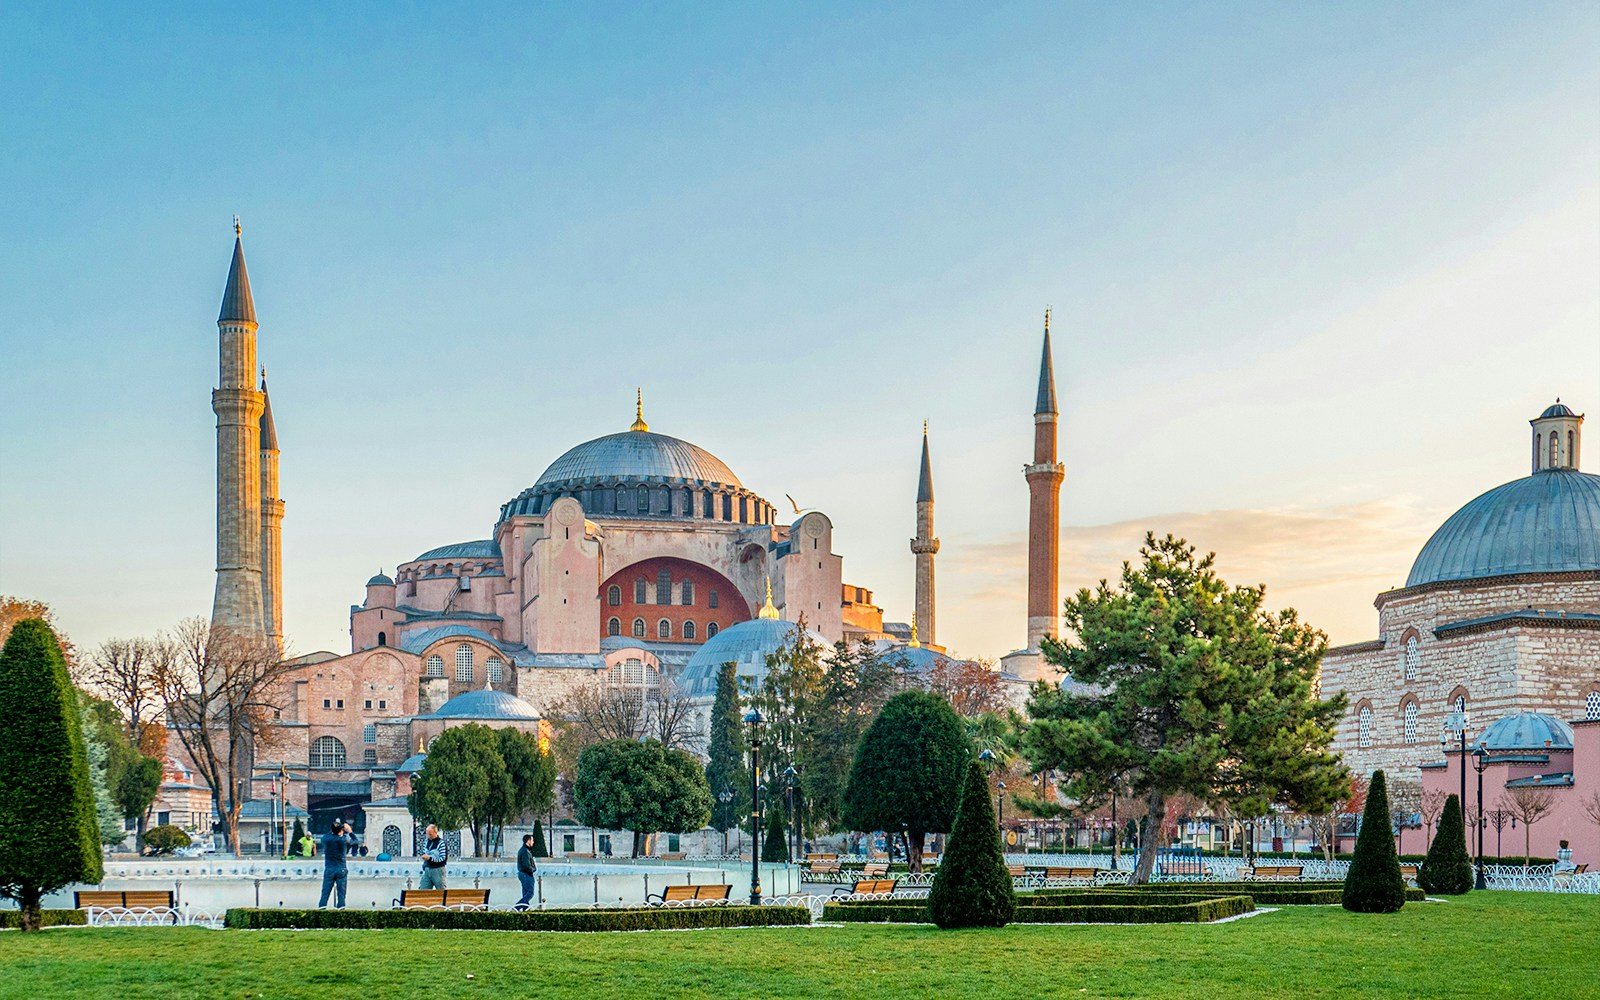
[[1405, 798], [1529, 803], [124, 672], [601, 711], [222, 694], [1591, 805], [1431, 805], [972, 687]]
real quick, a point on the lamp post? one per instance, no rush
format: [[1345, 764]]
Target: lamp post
[[725, 796], [753, 719], [987, 757], [1002, 786], [1480, 760], [1460, 721], [1116, 832], [791, 812]]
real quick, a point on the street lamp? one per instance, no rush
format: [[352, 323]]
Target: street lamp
[[1444, 745], [753, 719], [1002, 786], [725, 796], [790, 812], [1480, 760]]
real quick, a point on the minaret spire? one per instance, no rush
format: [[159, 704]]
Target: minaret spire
[[240, 407], [924, 546], [271, 524], [1044, 477]]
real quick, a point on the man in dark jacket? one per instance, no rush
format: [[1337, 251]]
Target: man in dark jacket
[[525, 871], [339, 840], [435, 855]]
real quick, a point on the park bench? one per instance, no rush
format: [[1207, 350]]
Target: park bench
[[822, 857], [1409, 872], [708, 893], [124, 902], [820, 871], [868, 887], [1071, 874], [678, 856], [875, 869], [1017, 871], [442, 898], [1287, 871]]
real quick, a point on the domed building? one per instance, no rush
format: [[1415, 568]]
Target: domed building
[[1499, 616]]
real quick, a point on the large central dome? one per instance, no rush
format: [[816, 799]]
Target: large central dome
[[639, 455], [1548, 522]]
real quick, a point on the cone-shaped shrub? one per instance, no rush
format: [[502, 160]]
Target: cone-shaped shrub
[[972, 887], [1374, 884], [540, 848], [1447, 870], [49, 835], [777, 846]]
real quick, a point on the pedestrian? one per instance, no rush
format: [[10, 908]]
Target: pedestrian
[[308, 847], [435, 854], [525, 871], [339, 840]]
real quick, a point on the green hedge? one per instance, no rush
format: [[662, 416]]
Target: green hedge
[[1097, 912], [640, 919], [12, 919], [1264, 893], [873, 912]]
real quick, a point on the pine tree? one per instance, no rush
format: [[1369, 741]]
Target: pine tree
[[48, 831], [296, 837], [108, 818], [972, 887], [1374, 883], [725, 767], [1447, 870], [540, 848], [776, 847]]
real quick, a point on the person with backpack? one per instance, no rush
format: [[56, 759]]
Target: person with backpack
[[526, 870], [335, 845], [435, 854]]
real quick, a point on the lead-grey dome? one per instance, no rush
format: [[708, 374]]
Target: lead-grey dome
[[1548, 522], [1527, 731], [485, 704], [638, 455], [746, 645], [1557, 409]]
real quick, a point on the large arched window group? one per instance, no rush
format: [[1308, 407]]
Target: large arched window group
[[464, 663], [327, 752], [435, 666]]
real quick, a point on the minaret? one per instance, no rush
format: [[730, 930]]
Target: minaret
[[271, 524], [924, 546], [1044, 477], [238, 406]]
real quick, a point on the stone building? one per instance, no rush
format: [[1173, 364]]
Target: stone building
[[1500, 615]]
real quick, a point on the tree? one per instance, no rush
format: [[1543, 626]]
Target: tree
[[1447, 870], [48, 830], [530, 781], [541, 847], [166, 839], [972, 887], [125, 673], [972, 687], [856, 682], [1430, 805], [136, 781], [20, 609], [908, 771], [602, 711], [1530, 804], [726, 773], [463, 783], [222, 692], [108, 818], [1374, 883], [298, 835], [1591, 806], [1185, 684], [642, 787], [776, 847]]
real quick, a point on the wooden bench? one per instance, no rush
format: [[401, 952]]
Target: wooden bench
[[710, 892], [1071, 874], [1289, 871], [1017, 871], [820, 871], [868, 887], [822, 857], [1409, 872], [411, 899], [877, 869], [105, 899]]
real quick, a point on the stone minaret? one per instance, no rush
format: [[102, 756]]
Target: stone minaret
[[271, 524], [925, 546], [1044, 477], [239, 407]]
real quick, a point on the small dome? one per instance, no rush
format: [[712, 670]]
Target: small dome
[[381, 580], [412, 764], [1557, 409], [484, 548], [747, 646], [1527, 731], [1548, 522], [486, 704]]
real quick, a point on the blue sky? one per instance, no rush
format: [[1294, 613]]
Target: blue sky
[[1313, 267]]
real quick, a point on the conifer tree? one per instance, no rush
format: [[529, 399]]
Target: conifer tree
[[1447, 870], [540, 848], [49, 836], [725, 766], [296, 837], [776, 847], [972, 887], [1374, 883]]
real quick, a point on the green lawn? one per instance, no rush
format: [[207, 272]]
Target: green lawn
[[1498, 945]]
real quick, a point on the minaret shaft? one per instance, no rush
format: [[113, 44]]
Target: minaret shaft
[[238, 405], [925, 546], [271, 527], [1044, 476]]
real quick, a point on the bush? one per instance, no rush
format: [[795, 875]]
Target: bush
[[776, 848], [1447, 870], [972, 887], [165, 839], [541, 846], [1374, 884], [630, 919], [12, 919]]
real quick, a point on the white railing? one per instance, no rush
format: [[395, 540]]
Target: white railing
[[152, 916]]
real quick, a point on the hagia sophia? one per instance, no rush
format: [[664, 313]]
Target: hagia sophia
[[637, 558]]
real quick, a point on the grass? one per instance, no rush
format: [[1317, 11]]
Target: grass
[[1485, 944]]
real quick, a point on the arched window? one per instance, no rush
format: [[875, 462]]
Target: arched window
[[622, 499], [614, 596], [640, 588], [383, 640], [1572, 450], [614, 626], [688, 594], [644, 500], [1412, 656], [663, 629], [1364, 726], [1536, 443], [391, 840], [369, 733], [495, 669], [711, 599], [638, 628], [1409, 716], [1591, 705], [664, 587], [327, 751], [711, 629], [464, 663], [688, 630], [435, 666], [1555, 448]]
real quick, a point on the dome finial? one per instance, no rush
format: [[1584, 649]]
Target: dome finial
[[638, 413], [767, 610], [238, 230], [914, 644]]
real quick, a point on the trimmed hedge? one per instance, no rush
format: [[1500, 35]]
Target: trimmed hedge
[[12, 919], [1265, 894], [1098, 912], [1447, 869], [640, 919]]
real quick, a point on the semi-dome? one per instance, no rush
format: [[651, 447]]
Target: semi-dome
[[483, 548], [486, 704], [1527, 731], [1548, 522], [747, 646]]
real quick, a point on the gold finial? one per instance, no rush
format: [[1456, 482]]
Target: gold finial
[[638, 413], [1046, 319], [924, 422], [767, 610], [914, 644], [419, 744], [238, 231]]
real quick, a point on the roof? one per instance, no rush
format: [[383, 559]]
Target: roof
[[416, 642], [483, 548], [746, 645], [411, 764], [268, 808], [1553, 780], [1557, 409], [638, 455], [1526, 731], [381, 580], [1548, 522], [925, 481], [237, 306], [1046, 400], [1548, 619], [484, 703], [269, 430]]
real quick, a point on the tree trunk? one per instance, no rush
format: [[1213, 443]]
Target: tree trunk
[[1156, 803], [914, 839], [637, 839], [28, 901]]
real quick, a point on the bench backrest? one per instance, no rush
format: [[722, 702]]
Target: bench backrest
[[712, 891], [107, 899], [678, 893], [1408, 869], [875, 869], [1070, 872], [1017, 870], [444, 897], [822, 857], [1294, 870], [869, 886]]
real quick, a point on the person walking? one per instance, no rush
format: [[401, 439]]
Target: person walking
[[308, 847], [526, 870], [435, 855], [338, 841]]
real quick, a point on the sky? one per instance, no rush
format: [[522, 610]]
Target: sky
[[1312, 266]]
